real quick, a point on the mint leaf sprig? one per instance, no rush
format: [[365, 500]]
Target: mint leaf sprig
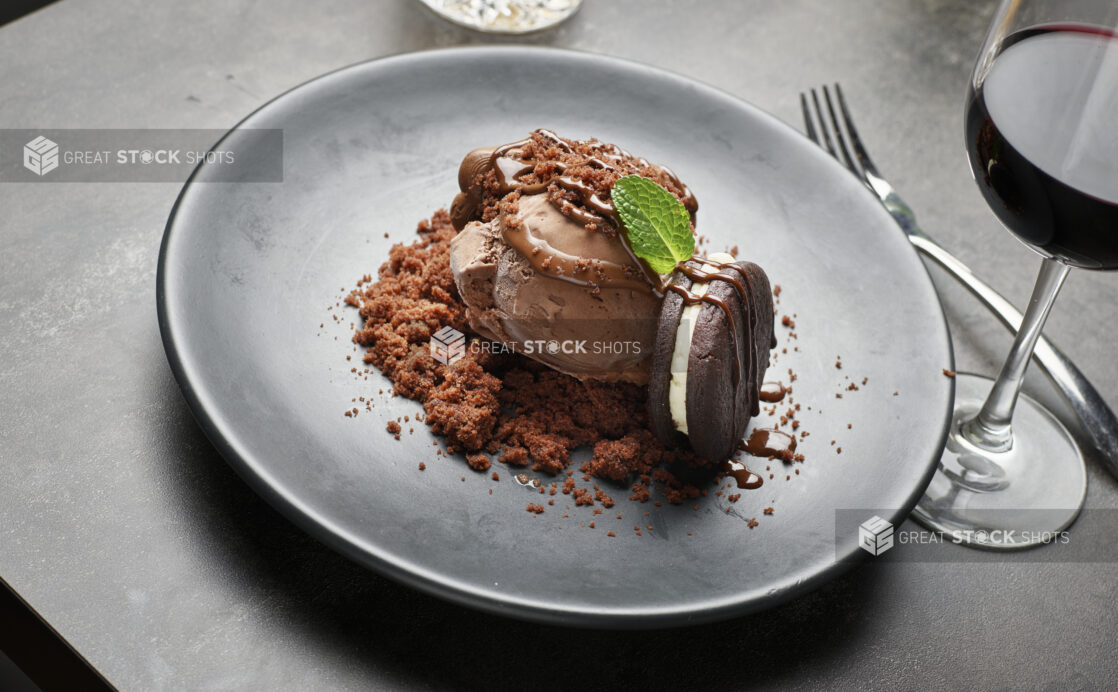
[[656, 224]]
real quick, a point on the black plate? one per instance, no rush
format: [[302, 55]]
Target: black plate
[[248, 271]]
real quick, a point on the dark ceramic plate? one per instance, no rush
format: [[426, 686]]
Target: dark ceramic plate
[[248, 271]]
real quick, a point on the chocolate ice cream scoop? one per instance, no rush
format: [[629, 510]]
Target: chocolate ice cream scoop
[[540, 260], [710, 354], [541, 283]]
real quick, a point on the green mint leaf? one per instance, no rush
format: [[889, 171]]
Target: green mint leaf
[[656, 224]]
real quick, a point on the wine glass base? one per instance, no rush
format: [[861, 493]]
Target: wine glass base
[[1005, 500]]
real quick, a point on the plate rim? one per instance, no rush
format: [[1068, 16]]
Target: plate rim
[[414, 576]]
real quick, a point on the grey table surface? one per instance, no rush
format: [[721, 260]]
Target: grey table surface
[[123, 527]]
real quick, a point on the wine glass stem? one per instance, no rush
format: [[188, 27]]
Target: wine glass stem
[[991, 429]]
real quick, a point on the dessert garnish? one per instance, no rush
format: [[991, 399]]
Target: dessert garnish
[[657, 225]]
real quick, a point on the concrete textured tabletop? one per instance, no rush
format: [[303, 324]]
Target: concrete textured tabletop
[[122, 526]]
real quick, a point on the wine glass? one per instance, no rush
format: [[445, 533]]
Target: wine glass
[[1043, 146], [504, 16]]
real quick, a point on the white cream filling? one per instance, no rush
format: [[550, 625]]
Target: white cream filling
[[677, 385]]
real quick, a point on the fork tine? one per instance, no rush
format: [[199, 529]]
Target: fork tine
[[823, 125], [838, 134], [809, 127], [855, 139]]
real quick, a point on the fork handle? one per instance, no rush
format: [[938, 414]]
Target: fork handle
[[1085, 400]]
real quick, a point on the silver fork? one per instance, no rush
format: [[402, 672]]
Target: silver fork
[[1097, 418]]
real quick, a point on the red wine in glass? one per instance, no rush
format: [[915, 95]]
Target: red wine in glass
[[1042, 138], [1042, 134]]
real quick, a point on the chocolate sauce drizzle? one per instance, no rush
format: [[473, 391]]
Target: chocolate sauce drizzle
[[740, 472], [698, 272], [772, 392], [509, 166], [557, 264], [769, 442]]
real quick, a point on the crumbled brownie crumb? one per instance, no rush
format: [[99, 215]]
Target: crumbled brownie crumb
[[478, 461], [394, 429], [535, 509], [582, 496], [496, 476], [422, 466], [611, 534], [752, 523], [768, 510], [949, 373], [606, 500]]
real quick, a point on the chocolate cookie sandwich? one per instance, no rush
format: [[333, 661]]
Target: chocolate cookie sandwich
[[710, 356]]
